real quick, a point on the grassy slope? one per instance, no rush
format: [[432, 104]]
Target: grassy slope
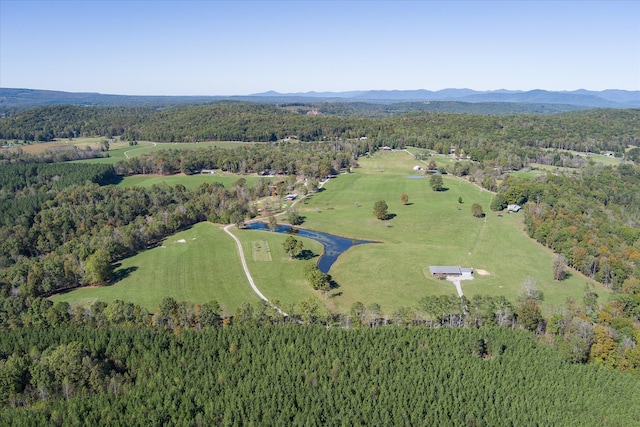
[[206, 267], [199, 270], [61, 143]]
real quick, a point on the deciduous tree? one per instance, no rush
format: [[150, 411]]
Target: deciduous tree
[[97, 268], [559, 267], [476, 210], [272, 223], [293, 217], [380, 210], [292, 246], [530, 315], [436, 182], [317, 279]]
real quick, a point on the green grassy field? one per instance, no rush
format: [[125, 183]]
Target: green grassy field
[[596, 158], [432, 229], [280, 278], [199, 265]]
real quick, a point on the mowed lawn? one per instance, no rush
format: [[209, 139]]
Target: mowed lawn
[[198, 265], [433, 229], [278, 277]]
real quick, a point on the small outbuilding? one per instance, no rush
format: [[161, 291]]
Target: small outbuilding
[[513, 208], [417, 168], [449, 270], [290, 197]]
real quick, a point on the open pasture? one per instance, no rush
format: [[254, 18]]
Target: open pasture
[[278, 277], [189, 181], [605, 159], [118, 150], [433, 229], [65, 143]]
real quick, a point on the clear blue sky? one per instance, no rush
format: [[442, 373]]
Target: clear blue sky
[[242, 47]]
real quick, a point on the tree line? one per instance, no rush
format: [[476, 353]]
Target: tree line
[[304, 160]]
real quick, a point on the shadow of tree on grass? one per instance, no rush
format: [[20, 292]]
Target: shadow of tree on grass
[[306, 254], [121, 273]]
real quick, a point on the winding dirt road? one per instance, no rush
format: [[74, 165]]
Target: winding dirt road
[[126, 153]]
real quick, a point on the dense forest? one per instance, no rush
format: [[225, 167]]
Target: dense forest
[[25, 186], [302, 376], [592, 130]]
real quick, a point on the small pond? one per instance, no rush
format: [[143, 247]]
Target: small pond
[[334, 246]]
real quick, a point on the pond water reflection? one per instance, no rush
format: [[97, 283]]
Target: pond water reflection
[[334, 246]]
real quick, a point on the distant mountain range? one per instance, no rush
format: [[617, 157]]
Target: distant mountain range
[[584, 98], [579, 99]]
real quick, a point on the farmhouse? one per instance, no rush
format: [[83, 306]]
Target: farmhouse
[[448, 270], [208, 171], [290, 197], [513, 208]]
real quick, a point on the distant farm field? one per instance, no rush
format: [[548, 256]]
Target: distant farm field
[[120, 150], [189, 181], [432, 229], [64, 143], [145, 147]]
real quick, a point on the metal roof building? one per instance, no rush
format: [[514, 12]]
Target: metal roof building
[[449, 270]]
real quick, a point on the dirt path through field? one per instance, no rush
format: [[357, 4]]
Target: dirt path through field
[[244, 261], [126, 153], [246, 270]]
